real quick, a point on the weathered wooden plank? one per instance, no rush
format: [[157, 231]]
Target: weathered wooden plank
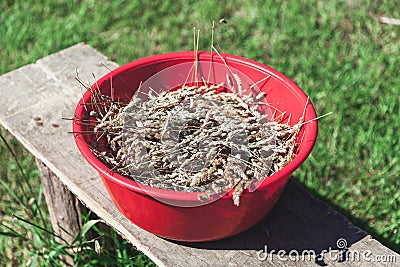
[[299, 222], [64, 208]]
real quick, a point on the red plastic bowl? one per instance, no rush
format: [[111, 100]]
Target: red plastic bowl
[[152, 209]]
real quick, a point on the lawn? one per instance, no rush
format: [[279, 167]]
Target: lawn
[[337, 51]]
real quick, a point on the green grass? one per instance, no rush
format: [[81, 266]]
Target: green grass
[[26, 237], [342, 57]]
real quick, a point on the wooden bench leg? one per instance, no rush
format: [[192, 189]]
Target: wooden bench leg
[[64, 208]]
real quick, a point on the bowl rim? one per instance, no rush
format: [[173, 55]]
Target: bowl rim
[[307, 144]]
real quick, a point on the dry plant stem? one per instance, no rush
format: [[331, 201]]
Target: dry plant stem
[[211, 51]]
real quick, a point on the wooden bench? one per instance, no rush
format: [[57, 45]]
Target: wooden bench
[[298, 224]]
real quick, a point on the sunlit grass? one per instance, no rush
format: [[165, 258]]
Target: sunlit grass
[[345, 60]]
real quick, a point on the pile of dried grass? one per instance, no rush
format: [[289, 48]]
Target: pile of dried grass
[[196, 139]]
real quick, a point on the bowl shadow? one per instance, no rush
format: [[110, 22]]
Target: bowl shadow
[[297, 222]]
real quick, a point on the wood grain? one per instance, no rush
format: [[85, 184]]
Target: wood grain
[[64, 208], [47, 89]]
